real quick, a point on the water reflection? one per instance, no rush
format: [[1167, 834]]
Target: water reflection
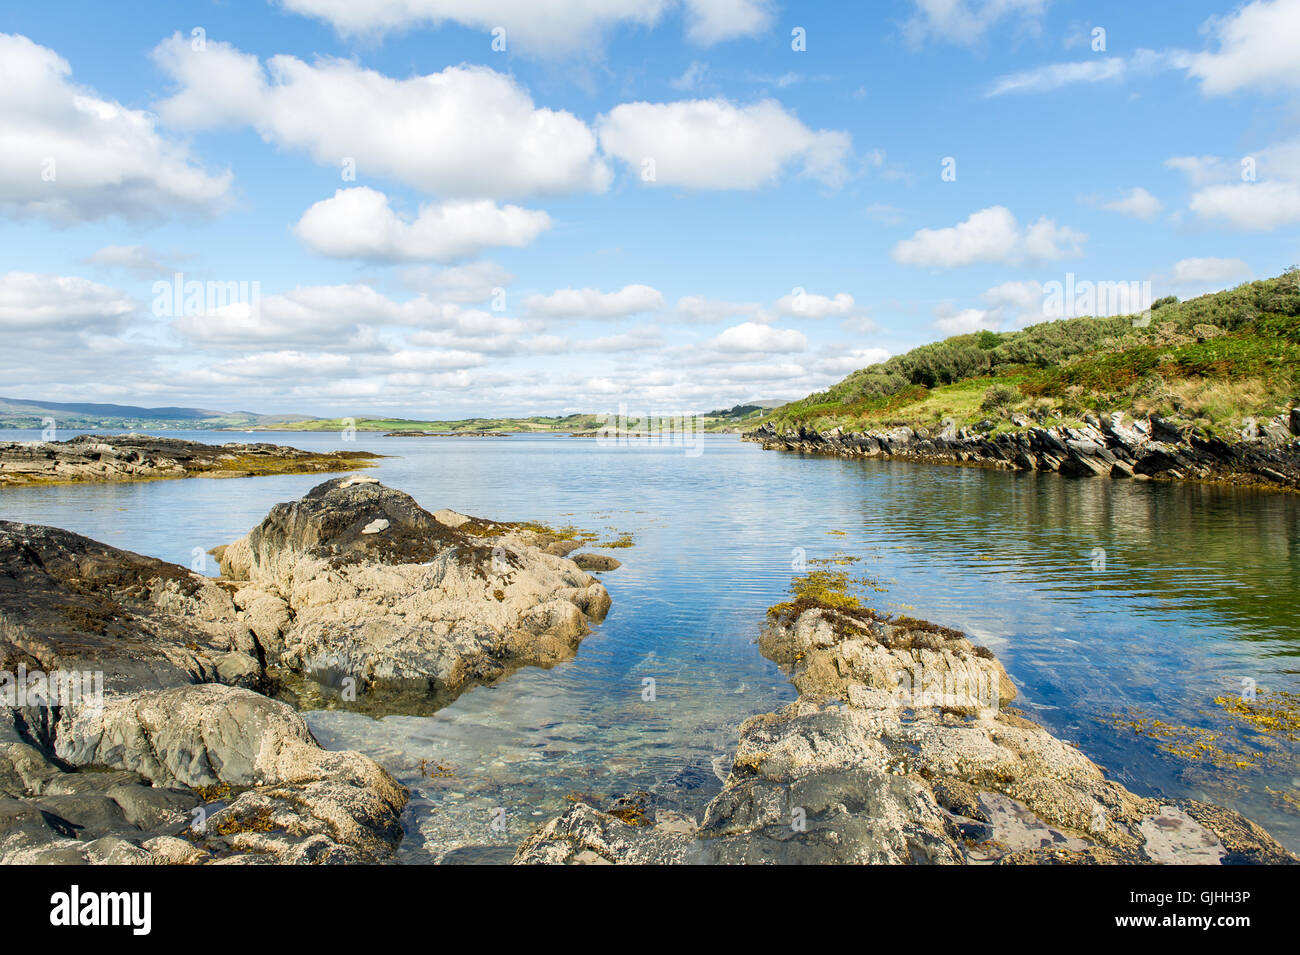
[[1194, 595]]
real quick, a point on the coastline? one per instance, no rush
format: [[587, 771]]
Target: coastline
[[1114, 447]]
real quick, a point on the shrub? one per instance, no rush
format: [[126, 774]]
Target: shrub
[[999, 397]]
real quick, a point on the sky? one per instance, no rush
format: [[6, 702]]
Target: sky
[[449, 208]]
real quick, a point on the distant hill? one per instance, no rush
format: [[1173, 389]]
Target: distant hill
[[71, 416], [25, 413]]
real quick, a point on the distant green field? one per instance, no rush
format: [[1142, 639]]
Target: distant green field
[[1213, 362]]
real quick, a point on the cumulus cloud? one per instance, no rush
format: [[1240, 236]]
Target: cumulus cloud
[[71, 156], [1256, 49], [553, 28], [751, 337], [318, 315], [1256, 206], [803, 304], [1137, 203], [951, 321], [359, 223], [47, 305], [593, 303], [1208, 271], [715, 144], [466, 132], [990, 235]]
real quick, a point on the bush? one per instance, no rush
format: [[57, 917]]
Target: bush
[[999, 397]]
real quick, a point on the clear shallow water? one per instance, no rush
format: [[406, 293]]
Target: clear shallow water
[[1197, 593]]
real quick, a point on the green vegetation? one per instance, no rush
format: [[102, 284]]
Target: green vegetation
[[1212, 361]]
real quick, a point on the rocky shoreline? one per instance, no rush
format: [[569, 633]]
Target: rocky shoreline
[[142, 457], [1114, 446], [900, 749], [141, 725]]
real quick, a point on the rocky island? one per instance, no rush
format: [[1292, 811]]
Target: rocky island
[[900, 749], [141, 724], [142, 457]]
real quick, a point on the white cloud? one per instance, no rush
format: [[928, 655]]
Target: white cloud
[[70, 156], [1256, 49], [1055, 75], [951, 321], [714, 144], [358, 223], [1138, 203], [593, 303], [1209, 270], [808, 305], [321, 315], [851, 361], [712, 21], [1250, 205], [751, 337], [990, 235], [1017, 296], [46, 305], [965, 22], [467, 131], [553, 28]]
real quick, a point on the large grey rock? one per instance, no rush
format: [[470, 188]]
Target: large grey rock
[[900, 750], [427, 602]]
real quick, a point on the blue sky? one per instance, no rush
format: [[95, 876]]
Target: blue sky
[[664, 205]]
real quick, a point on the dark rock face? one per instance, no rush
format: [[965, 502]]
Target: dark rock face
[[135, 457], [71, 603], [1111, 447], [899, 751]]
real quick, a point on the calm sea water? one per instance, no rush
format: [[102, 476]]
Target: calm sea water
[[1194, 594]]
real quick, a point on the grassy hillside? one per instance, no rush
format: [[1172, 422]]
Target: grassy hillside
[[1212, 361]]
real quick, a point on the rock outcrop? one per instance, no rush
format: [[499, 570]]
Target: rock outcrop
[[140, 457], [901, 749], [135, 728], [358, 581], [1112, 447]]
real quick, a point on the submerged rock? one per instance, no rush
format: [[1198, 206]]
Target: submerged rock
[[900, 750]]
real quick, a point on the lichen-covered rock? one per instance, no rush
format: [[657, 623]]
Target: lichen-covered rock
[[187, 775], [900, 750], [357, 580]]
